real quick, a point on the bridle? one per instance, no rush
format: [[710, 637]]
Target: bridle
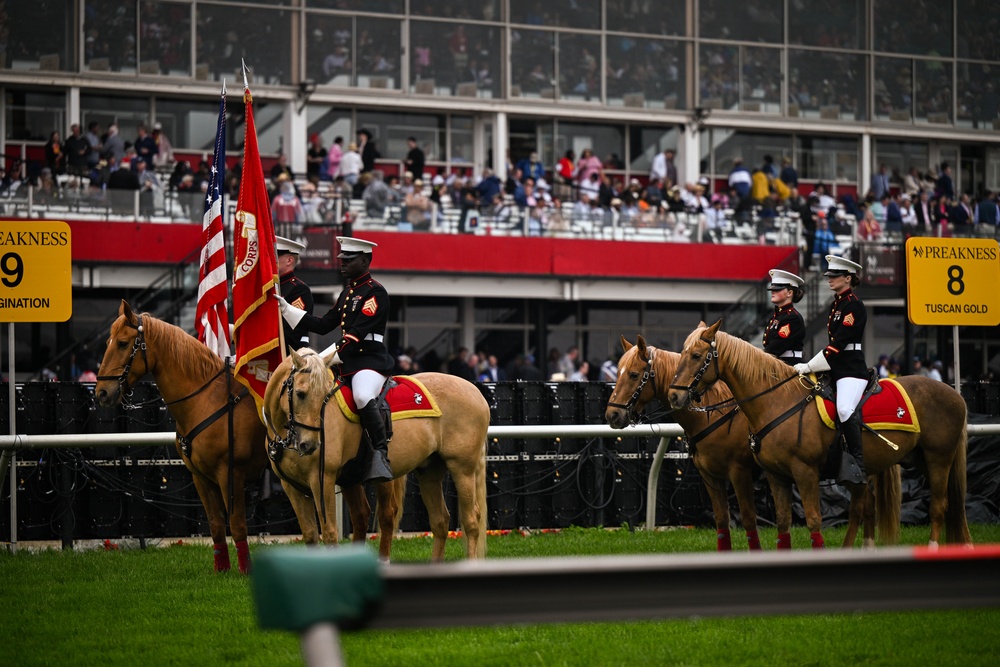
[[648, 373], [712, 356], [138, 344]]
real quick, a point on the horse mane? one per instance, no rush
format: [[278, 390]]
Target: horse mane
[[181, 348], [752, 364], [315, 367]]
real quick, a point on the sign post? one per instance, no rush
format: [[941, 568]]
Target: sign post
[[953, 282], [36, 285]]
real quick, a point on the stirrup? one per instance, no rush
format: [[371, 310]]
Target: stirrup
[[378, 469]]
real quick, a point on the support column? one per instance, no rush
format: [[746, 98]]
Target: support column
[[866, 167], [294, 137], [467, 316], [73, 111], [688, 155], [501, 142]]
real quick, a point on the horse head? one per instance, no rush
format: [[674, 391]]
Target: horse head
[[125, 355], [697, 368], [304, 397], [635, 372]]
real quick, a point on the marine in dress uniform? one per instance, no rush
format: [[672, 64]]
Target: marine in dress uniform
[[785, 332], [844, 357], [362, 313], [293, 290]]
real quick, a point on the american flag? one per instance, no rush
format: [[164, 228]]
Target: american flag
[[212, 317]]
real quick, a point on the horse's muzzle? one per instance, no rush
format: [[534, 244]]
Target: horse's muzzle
[[678, 399], [616, 418], [106, 398]]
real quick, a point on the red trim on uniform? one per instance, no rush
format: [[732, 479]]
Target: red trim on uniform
[[354, 338], [832, 349]]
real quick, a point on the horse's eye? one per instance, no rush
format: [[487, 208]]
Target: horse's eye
[[301, 395], [634, 375], [696, 355], [122, 345]]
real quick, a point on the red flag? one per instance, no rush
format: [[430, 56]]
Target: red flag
[[211, 316], [255, 273]]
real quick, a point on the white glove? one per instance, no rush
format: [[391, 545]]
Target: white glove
[[817, 364], [291, 314], [335, 359]]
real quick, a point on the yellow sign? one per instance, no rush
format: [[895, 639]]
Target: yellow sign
[[953, 282], [36, 271]]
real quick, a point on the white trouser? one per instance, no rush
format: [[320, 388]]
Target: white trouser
[[849, 391], [367, 384]]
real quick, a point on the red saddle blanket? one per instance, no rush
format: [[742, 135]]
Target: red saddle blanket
[[889, 410], [409, 398]]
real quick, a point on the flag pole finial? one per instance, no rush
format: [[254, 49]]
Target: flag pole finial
[[223, 86]]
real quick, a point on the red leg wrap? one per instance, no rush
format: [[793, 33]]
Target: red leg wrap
[[784, 541], [723, 541], [753, 540], [221, 553], [817, 540], [243, 556]]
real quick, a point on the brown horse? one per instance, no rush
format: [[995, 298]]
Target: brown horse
[[199, 390], [718, 440], [454, 442], [793, 448]]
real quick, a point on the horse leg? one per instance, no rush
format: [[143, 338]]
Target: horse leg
[[386, 506], [238, 516], [742, 480], [329, 522], [781, 491], [720, 509], [211, 500], [807, 479], [305, 512], [360, 510], [860, 511], [431, 480], [468, 507]]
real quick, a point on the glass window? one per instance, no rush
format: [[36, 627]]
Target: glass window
[[749, 146], [978, 101], [826, 85], [461, 140], [379, 6], [606, 141], [190, 124], [329, 123], [922, 28], [126, 112], [760, 86], [665, 17], [836, 24], [934, 91], [267, 117], [532, 64], [645, 72], [579, 67], [482, 10], [978, 24], [329, 47], [392, 129], [38, 36], [32, 116], [745, 21], [165, 38], [227, 35], [645, 142], [565, 13], [899, 156], [718, 76], [454, 59], [109, 36], [824, 159], [379, 53], [894, 89]]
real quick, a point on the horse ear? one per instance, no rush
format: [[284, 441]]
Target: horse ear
[[714, 329], [702, 325], [640, 342], [626, 346], [297, 361], [125, 310]]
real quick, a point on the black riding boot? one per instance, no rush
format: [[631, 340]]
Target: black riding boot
[[855, 462], [371, 420]]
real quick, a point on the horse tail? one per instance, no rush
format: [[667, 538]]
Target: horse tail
[[481, 504], [888, 498], [956, 525]]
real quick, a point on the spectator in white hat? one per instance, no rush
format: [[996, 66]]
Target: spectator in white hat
[[845, 360], [362, 313], [785, 333]]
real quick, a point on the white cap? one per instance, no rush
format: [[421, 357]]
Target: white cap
[[783, 280], [841, 267], [541, 184], [350, 246], [157, 126], [282, 244], [437, 180]]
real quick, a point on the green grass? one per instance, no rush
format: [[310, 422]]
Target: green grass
[[166, 607]]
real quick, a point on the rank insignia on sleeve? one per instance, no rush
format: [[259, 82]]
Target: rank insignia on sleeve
[[370, 307], [299, 303], [785, 331], [849, 320]]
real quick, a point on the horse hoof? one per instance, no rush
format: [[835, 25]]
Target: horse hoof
[[932, 545]]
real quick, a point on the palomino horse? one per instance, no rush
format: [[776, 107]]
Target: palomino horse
[[205, 401], [718, 440], [793, 444], [300, 391]]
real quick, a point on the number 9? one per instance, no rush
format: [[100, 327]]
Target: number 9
[[12, 275]]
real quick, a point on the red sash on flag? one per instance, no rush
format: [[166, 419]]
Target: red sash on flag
[[257, 327]]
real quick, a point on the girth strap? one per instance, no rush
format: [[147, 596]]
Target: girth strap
[[711, 428], [756, 438], [186, 440]]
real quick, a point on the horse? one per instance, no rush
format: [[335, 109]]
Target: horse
[[793, 443], [718, 440], [299, 392], [207, 404], [199, 390]]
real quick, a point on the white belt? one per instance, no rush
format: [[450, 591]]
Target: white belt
[[788, 354], [852, 346], [375, 337]]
